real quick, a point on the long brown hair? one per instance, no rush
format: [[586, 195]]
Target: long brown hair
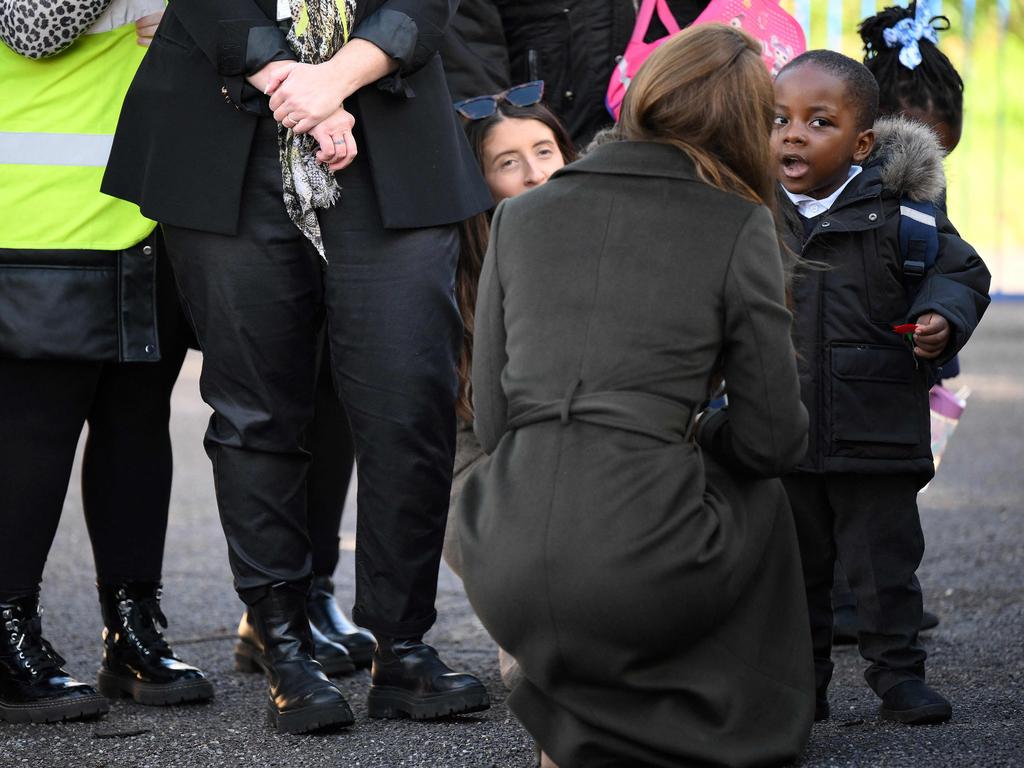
[[707, 92], [475, 232]]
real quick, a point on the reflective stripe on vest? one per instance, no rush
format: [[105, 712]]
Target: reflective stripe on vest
[[57, 119]]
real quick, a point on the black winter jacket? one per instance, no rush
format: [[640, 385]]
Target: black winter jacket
[[571, 45], [865, 391]]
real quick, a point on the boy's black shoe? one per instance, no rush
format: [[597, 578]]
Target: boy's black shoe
[[328, 618], [410, 680], [33, 686], [914, 703], [137, 661]]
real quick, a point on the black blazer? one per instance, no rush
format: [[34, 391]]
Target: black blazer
[[188, 120]]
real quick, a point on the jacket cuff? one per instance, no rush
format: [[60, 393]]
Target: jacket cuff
[[264, 45], [394, 33], [240, 93], [245, 47]]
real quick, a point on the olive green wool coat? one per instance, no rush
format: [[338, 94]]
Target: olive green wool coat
[[650, 588]]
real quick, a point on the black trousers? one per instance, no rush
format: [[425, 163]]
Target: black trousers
[[257, 302], [126, 468], [329, 440], [871, 523]]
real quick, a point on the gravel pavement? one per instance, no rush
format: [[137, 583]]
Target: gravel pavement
[[973, 577]]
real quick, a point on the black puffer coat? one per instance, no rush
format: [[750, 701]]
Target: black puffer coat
[[865, 391]]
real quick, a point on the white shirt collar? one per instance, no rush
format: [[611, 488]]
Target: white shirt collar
[[809, 207]]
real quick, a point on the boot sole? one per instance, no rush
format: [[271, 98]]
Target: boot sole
[[80, 708], [928, 715], [310, 719], [115, 686], [249, 660], [389, 702]]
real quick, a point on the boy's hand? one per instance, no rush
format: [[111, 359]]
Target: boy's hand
[[931, 336]]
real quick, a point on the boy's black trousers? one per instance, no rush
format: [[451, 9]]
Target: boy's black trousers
[[871, 524]]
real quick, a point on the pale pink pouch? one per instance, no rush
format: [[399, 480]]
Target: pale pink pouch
[[781, 36]]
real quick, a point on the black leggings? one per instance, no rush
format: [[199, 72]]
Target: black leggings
[[126, 468]]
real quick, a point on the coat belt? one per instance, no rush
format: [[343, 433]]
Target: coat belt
[[667, 420]]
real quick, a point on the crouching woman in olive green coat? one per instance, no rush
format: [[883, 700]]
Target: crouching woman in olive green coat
[[648, 584]]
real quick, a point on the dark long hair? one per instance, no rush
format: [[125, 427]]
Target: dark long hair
[[932, 86], [475, 232]]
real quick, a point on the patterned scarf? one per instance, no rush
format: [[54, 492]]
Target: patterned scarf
[[319, 29]]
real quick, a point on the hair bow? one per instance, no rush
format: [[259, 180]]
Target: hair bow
[[907, 33]]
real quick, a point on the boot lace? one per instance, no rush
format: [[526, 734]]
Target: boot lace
[[142, 620], [32, 651]]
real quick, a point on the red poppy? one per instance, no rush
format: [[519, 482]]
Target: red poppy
[[904, 329]]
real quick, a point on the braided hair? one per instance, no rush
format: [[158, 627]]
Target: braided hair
[[933, 87]]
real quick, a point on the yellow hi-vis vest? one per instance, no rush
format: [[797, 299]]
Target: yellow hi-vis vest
[[57, 119]]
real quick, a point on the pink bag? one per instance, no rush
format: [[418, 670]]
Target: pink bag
[[781, 36], [637, 52]]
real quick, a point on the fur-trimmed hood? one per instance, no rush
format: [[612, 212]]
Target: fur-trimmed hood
[[910, 157]]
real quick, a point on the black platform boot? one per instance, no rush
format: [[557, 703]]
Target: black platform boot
[[137, 661], [33, 687], [301, 698], [410, 680], [333, 658], [327, 617]]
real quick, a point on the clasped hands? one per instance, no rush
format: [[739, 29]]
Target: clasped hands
[[307, 99]]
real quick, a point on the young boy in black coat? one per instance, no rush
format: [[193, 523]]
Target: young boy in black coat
[[865, 386]]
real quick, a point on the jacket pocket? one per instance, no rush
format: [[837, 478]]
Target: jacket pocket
[[58, 312], [875, 396]]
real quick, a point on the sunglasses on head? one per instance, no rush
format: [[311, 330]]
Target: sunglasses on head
[[479, 107]]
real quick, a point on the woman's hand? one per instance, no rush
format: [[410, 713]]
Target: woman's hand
[[305, 96], [275, 71], [337, 144], [145, 28]]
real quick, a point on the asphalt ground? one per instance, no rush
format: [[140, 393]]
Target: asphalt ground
[[973, 577]]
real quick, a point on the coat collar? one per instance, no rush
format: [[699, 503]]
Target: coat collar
[[635, 158]]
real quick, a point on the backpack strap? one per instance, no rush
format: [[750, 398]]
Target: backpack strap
[[919, 242]]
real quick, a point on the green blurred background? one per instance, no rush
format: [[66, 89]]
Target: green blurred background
[[986, 170]]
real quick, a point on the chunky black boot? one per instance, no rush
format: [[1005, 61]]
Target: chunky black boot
[[301, 698], [333, 658], [137, 661], [33, 687], [410, 680], [327, 617]]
